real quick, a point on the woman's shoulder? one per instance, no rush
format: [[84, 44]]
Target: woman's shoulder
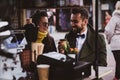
[[49, 36]]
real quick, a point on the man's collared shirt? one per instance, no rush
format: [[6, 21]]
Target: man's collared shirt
[[81, 40]]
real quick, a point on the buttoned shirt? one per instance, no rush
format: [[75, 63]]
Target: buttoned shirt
[[81, 40]]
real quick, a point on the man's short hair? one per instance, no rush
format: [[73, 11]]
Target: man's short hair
[[82, 11]]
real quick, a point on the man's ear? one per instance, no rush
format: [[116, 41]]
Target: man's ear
[[86, 21]]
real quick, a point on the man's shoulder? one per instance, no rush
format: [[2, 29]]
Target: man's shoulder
[[69, 34], [101, 35]]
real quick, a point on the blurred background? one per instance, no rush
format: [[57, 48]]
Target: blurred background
[[17, 11]]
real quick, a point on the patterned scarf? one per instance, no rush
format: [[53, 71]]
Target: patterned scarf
[[41, 36]]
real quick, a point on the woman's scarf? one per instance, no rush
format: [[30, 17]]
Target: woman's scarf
[[41, 36]]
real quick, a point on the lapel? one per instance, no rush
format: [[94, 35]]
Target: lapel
[[89, 44], [71, 37]]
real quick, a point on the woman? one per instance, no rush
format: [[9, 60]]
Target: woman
[[112, 31], [42, 35]]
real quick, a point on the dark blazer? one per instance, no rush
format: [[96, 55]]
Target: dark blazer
[[87, 52], [49, 43]]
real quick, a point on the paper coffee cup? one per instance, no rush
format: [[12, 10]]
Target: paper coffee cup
[[43, 71]]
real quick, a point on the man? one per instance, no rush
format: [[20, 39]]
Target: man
[[30, 29], [82, 36]]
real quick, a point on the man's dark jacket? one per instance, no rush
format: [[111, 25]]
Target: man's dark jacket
[[87, 52]]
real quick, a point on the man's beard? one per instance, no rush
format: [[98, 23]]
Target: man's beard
[[76, 29]]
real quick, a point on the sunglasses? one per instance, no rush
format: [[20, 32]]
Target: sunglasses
[[74, 21], [45, 24]]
